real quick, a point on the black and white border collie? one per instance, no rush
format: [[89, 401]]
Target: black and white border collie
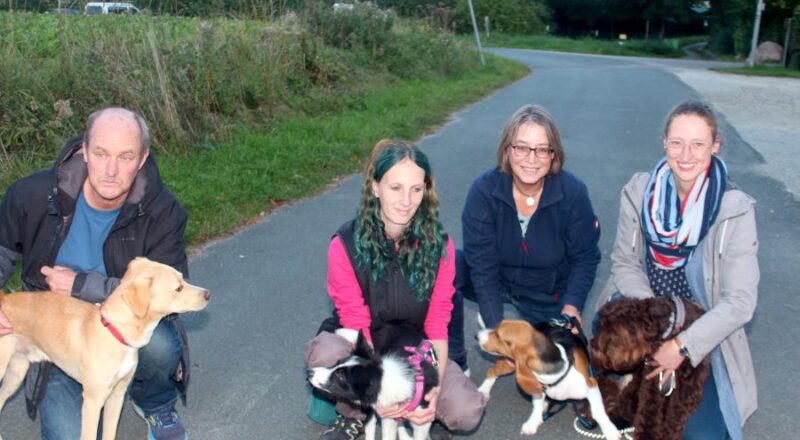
[[383, 377]]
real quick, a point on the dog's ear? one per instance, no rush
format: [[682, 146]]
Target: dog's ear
[[525, 378], [137, 295], [134, 268], [362, 348]]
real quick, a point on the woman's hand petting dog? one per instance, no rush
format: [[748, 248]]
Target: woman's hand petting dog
[[393, 412], [573, 312], [419, 416], [666, 359]]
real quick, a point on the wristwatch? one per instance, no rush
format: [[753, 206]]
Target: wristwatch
[[682, 348]]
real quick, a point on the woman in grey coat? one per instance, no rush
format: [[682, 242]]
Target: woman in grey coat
[[695, 237]]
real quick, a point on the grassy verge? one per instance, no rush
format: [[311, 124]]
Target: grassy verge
[[781, 72], [223, 188], [649, 48]]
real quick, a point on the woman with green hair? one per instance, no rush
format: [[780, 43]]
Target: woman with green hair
[[395, 262]]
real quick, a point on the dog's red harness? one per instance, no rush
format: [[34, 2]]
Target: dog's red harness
[[424, 352], [114, 331]]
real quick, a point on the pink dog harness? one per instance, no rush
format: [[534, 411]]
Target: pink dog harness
[[424, 352]]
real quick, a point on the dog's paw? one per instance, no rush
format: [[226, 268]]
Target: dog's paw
[[530, 427]]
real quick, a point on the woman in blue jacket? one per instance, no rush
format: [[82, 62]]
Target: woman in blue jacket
[[530, 233]]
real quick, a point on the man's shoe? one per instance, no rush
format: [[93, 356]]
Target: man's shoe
[[344, 429], [163, 425]]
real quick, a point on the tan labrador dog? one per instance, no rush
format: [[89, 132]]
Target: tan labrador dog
[[96, 345]]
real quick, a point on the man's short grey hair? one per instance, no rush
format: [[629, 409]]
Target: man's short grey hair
[[144, 130]]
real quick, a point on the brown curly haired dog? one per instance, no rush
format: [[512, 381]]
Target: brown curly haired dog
[[630, 331]]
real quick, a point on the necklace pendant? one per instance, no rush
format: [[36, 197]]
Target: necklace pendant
[[530, 201]]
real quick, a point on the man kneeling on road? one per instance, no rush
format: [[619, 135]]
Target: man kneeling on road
[[75, 227]]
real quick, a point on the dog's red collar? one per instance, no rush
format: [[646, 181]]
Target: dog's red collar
[[424, 352], [114, 331]]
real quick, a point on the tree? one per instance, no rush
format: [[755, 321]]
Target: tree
[[525, 17]]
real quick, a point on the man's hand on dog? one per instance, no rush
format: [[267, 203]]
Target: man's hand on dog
[[59, 278], [667, 359]]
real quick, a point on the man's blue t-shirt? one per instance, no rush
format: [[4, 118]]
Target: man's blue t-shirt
[[82, 250]]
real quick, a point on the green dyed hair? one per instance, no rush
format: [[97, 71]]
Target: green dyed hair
[[424, 242]]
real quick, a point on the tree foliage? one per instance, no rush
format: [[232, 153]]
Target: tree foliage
[[609, 18], [732, 24], [526, 17]]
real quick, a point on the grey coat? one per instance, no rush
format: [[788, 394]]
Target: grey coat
[[730, 272]]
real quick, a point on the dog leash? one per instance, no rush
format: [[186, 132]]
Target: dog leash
[[627, 432], [423, 352], [568, 323], [676, 322]]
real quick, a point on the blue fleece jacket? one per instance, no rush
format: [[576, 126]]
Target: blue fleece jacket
[[554, 263]]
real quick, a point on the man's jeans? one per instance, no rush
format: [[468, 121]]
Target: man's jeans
[[152, 387]]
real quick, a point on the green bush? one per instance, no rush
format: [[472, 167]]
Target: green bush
[[365, 25], [525, 17]]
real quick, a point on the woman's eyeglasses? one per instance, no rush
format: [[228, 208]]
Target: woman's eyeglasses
[[675, 146], [540, 151]]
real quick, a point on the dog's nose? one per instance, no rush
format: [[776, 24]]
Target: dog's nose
[[208, 295], [309, 373], [476, 336]]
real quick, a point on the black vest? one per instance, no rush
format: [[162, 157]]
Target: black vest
[[390, 298]]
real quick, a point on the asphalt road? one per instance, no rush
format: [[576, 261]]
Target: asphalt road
[[268, 280]]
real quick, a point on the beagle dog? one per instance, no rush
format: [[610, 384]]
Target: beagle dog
[[547, 361]]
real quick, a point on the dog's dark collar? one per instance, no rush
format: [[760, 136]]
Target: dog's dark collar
[[114, 331], [567, 366], [676, 318], [423, 352]]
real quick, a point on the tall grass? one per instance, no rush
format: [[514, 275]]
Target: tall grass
[[193, 80], [184, 75]]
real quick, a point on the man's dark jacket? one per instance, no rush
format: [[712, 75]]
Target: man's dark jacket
[[35, 216]]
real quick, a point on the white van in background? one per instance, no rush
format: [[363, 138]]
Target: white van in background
[[93, 8]]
